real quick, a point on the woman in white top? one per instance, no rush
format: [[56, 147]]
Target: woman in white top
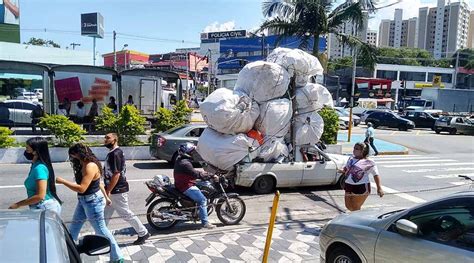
[[357, 183]]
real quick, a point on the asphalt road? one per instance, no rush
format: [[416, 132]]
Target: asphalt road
[[430, 171]]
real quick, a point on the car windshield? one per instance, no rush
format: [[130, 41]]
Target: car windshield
[[468, 121], [173, 130], [390, 214]]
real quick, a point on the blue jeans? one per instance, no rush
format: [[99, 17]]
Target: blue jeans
[[91, 207], [50, 204], [195, 194]]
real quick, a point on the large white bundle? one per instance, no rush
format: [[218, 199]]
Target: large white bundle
[[224, 150], [296, 61], [272, 149], [263, 81], [229, 112], [275, 118], [313, 97], [308, 127]]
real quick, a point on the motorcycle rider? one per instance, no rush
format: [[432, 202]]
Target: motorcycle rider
[[185, 176]]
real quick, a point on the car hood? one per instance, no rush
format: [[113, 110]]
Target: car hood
[[340, 159], [361, 218]]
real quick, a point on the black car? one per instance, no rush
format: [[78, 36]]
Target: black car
[[421, 119], [391, 120]]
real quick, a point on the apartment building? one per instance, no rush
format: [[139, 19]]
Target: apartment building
[[398, 32]]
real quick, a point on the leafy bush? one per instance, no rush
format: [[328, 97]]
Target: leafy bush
[[331, 125], [167, 119], [128, 124], [5, 139], [66, 131]]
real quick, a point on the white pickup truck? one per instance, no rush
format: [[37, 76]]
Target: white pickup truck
[[265, 177]]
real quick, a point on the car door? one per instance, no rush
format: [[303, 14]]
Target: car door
[[319, 172], [24, 112], [446, 234]]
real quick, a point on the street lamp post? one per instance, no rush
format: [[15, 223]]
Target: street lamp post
[[125, 56]]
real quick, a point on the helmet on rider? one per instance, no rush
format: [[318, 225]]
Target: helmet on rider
[[186, 149]]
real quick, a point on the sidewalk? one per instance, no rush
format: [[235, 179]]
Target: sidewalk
[[297, 242], [384, 147]]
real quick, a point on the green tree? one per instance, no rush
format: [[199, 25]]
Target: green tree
[[167, 119], [128, 124], [466, 58], [66, 131], [311, 19], [331, 125], [5, 139], [41, 42]]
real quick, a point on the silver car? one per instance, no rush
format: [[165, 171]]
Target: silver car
[[164, 146], [40, 236], [438, 231]]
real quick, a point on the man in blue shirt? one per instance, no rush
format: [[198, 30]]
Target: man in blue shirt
[[369, 137]]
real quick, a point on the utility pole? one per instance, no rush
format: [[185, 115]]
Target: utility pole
[[115, 53], [351, 101], [456, 70], [74, 45], [187, 74], [210, 72]]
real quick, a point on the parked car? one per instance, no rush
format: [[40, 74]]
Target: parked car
[[164, 146], [421, 119], [389, 119], [366, 113], [40, 236], [438, 231], [454, 124], [16, 113], [343, 112], [27, 95]]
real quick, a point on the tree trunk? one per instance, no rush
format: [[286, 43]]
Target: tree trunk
[[316, 45]]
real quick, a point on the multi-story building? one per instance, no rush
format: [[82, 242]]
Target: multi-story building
[[338, 49], [398, 32], [470, 35], [443, 29], [371, 37]]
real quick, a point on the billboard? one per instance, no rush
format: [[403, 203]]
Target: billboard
[[9, 12], [92, 24], [224, 34]]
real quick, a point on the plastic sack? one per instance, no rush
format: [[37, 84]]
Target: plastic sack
[[309, 128], [229, 112], [275, 118], [223, 150], [272, 149], [262, 81], [313, 97], [296, 61]]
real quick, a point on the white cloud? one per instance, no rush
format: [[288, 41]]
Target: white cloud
[[215, 26]]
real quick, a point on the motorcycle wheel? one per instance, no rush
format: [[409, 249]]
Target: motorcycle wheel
[[228, 217], [160, 205]]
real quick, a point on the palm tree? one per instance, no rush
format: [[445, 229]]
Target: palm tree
[[311, 19]]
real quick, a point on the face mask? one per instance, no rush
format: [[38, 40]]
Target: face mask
[[109, 145], [29, 156]]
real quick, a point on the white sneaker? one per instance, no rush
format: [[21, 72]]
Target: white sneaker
[[209, 226]]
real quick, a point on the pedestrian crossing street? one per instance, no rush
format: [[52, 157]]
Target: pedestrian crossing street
[[432, 167]]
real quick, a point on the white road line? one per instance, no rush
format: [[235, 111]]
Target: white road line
[[439, 169], [417, 161], [403, 158], [442, 176], [426, 165], [459, 183], [408, 197], [20, 186], [395, 156]]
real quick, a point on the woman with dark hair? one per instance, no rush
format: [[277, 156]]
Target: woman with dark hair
[[90, 195], [40, 183], [356, 172]]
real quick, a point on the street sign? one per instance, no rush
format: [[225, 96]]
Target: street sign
[[436, 80]]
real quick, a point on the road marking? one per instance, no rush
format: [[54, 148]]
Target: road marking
[[439, 169], [417, 161], [459, 183], [442, 176], [425, 165], [393, 133], [11, 186], [395, 156], [408, 197], [403, 158], [418, 133]]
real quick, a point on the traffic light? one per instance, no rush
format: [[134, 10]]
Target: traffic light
[[353, 101], [402, 84]]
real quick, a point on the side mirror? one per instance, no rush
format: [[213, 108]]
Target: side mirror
[[94, 245], [406, 227]]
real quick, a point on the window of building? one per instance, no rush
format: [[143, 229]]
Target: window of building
[[387, 74], [447, 78], [412, 76]]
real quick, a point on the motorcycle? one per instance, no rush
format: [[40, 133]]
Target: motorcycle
[[173, 206]]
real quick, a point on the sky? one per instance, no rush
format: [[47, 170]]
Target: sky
[[157, 26]]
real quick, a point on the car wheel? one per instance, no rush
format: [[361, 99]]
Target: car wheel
[[452, 131], [437, 131], [264, 184], [403, 128], [343, 255]]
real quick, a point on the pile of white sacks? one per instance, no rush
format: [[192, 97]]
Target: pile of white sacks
[[260, 101]]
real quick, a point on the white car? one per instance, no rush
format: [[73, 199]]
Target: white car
[[16, 113], [342, 112], [29, 96], [265, 177]]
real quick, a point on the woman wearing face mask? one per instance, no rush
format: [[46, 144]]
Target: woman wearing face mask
[[90, 195], [40, 183], [357, 172]]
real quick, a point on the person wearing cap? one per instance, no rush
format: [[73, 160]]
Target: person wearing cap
[[369, 137], [185, 176]]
